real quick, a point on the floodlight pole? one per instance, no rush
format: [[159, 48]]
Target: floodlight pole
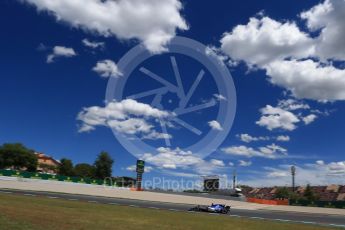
[[234, 179], [293, 173]]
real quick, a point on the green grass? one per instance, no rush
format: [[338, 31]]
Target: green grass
[[21, 212]]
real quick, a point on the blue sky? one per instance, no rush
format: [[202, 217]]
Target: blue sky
[[286, 59]]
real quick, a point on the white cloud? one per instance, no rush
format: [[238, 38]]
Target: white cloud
[[215, 125], [275, 117], [286, 115], [283, 138], [93, 44], [218, 163], [107, 68], [328, 17], [320, 162], [308, 79], [292, 105], [248, 138], [240, 151], [154, 22], [309, 119], [269, 151], [337, 168], [231, 164], [243, 163], [156, 135], [60, 51], [264, 40], [277, 174], [165, 158], [133, 168], [298, 61], [171, 158], [126, 116], [219, 97]]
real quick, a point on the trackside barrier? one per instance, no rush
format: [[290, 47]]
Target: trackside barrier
[[325, 204], [43, 176], [269, 202]]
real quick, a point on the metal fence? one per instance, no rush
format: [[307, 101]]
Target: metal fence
[[43, 176]]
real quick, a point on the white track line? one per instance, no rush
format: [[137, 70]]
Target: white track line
[[27, 194], [175, 210]]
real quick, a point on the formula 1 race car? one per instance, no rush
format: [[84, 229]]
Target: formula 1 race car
[[213, 208]]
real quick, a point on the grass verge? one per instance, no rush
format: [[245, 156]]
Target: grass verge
[[21, 212]]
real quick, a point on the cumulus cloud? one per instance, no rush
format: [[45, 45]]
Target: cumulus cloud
[[60, 51], [269, 151], [107, 68], [154, 22], [215, 125], [309, 119], [243, 163], [127, 116], [320, 162], [93, 44], [283, 138], [275, 117], [216, 162], [308, 79], [277, 174], [171, 158], [286, 116], [328, 17], [133, 168], [295, 60], [292, 105], [264, 40], [248, 138], [156, 135], [337, 168]]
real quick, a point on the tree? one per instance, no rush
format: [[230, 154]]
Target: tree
[[84, 170], [66, 167], [17, 156], [309, 193], [282, 193], [103, 165]]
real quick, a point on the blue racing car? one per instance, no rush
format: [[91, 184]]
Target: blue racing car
[[213, 208]]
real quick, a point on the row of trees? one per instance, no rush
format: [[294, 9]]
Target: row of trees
[[101, 168], [285, 193], [17, 156]]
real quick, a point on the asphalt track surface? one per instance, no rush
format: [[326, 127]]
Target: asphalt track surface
[[294, 217]]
